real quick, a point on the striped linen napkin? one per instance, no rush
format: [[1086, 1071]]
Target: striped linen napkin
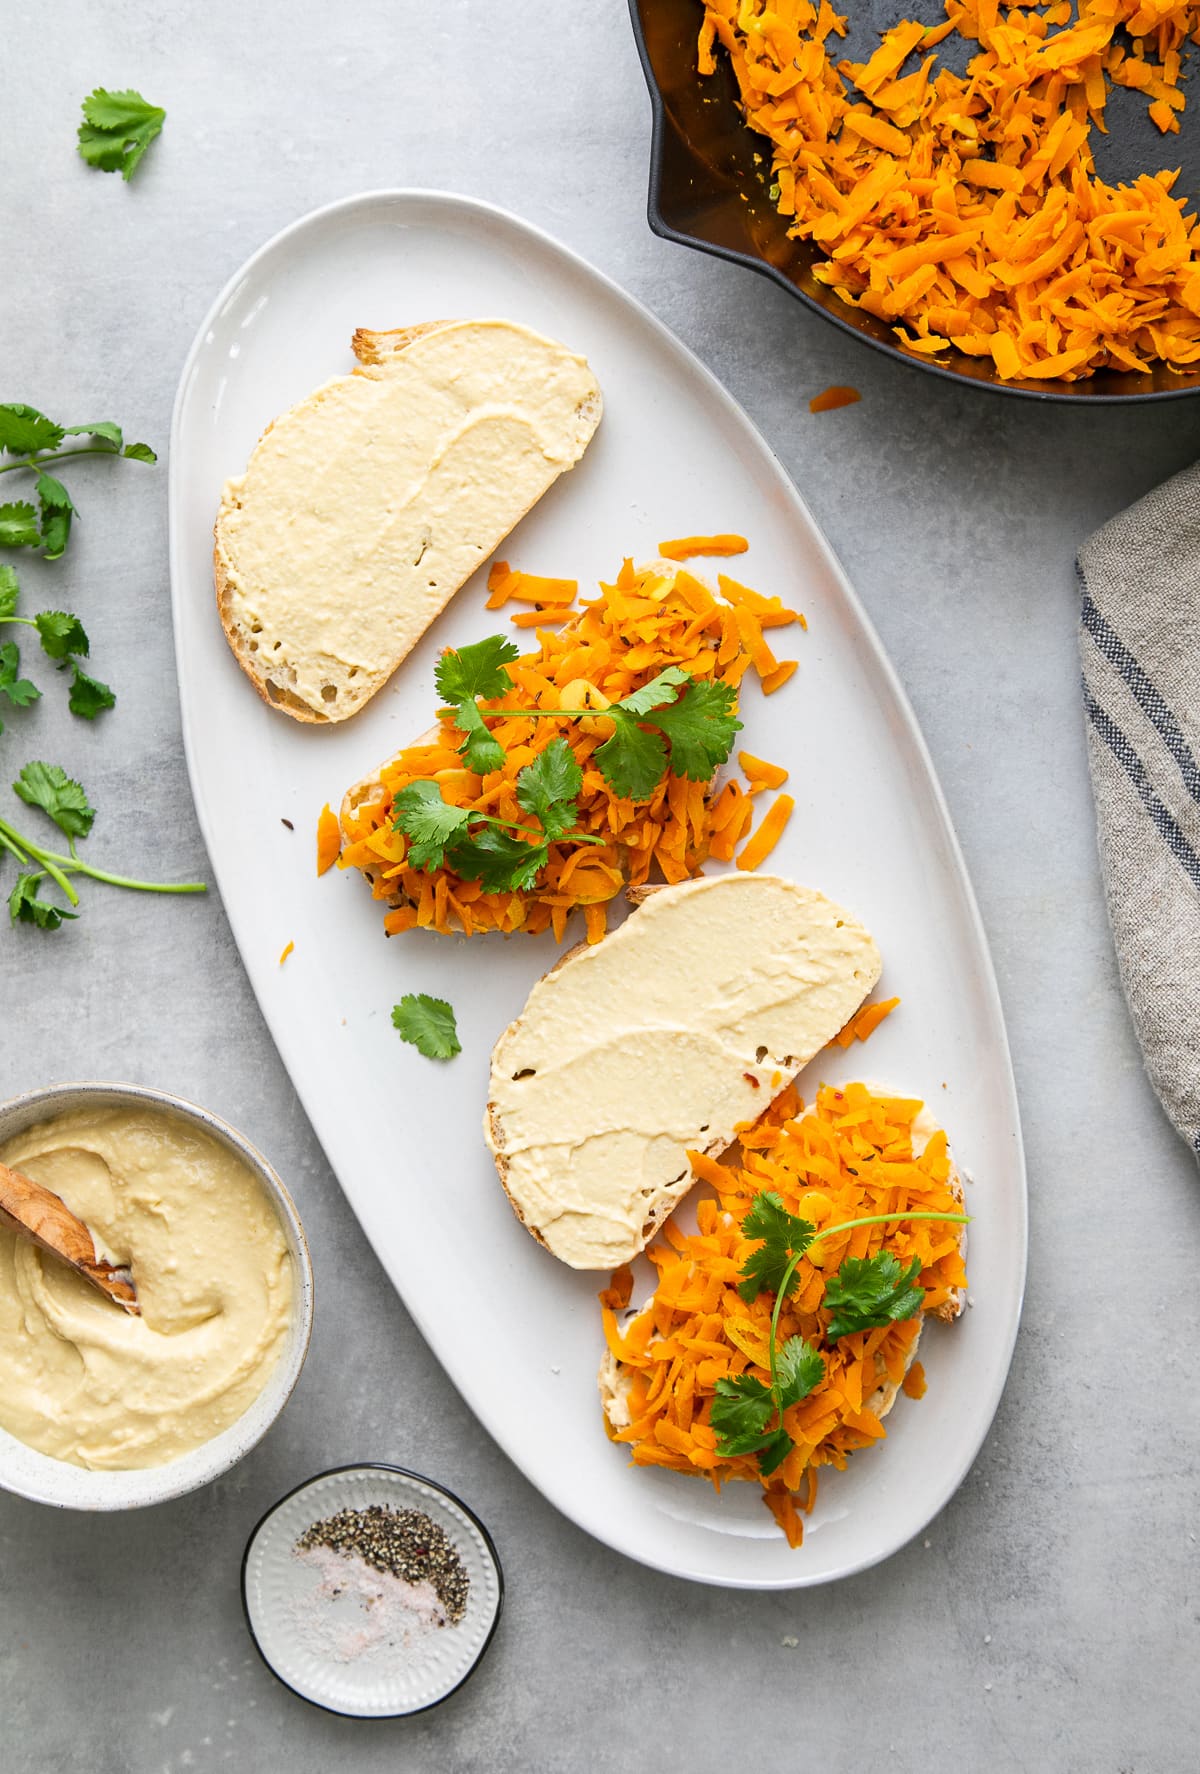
[[1139, 639]]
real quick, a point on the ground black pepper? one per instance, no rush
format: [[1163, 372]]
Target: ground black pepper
[[403, 1542]]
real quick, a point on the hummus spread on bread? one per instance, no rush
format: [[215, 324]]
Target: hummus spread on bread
[[665, 1037], [364, 507], [82, 1380]]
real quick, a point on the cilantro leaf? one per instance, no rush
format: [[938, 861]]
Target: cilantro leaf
[[464, 673], [24, 906], [548, 786], [107, 435], [869, 1292], [19, 525], [89, 697], [50, 788], [658, 691], [633, 761], [139, 452], [699, 728], [428, 821], [479, 751], [23, 430], [61, 634], [19, 691], [799, 1371], [117, 129], [775, 1452], [427, 1024], [784, 1235], [10, 593], [57, 511], [498, 860], [741, 1410]]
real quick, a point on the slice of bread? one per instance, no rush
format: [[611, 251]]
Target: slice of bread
[[367, 505], [666, 1037], [615, 1380]]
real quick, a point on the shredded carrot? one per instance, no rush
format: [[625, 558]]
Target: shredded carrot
[[684, 547], [864, 1022], [851, 1156], [329, 839], [612, 644], [768, 833], [776, 679], [965, 210], [760, 774], [832, 398], [288, 947]]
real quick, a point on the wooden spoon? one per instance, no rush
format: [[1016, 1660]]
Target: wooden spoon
[[42, 1216]]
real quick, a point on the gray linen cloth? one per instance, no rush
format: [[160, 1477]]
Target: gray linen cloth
[[1139, 641]]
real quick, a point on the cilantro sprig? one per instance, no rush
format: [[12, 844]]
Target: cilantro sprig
[[37, 441], [866, 1293], [674, 723], [65, 802], [427, 1024], [117, 129], [63, 639], [501, 854]]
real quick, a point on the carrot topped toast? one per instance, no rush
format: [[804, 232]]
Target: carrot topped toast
[[558, 777], [781, 1331]]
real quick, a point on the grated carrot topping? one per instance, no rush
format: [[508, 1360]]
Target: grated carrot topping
[[768, 833], [684, 547], [849, 1157], [760, 774], [965, 209], [614, 642], [864, 1022], [287, 950], [830, 399], [329, 839]]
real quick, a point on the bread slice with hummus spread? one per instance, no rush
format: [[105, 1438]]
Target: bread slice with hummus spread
[[367, 505], [663, 1039]]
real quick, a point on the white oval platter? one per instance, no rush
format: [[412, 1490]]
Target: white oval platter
[[518, 1333]]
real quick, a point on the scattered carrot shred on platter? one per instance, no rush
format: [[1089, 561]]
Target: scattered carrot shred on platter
[[830, 399], [645, 621], [287, 950], [768, 834], [864, 1022], [760, 774], [329, 839], [965, 209], [850, 1156], [684, 547]]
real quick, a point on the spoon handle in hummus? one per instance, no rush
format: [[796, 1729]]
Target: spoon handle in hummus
[[38, 1214]]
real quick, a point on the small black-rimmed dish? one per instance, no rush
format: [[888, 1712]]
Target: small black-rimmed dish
[[709, 176], [371, 1592]]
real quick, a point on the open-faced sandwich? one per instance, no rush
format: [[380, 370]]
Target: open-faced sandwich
[[365, 507], [781, 1331], [556, 778], [662, 1041]]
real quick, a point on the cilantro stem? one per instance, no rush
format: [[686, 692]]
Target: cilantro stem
[[11, 838], [874, 1219], [39, 462], [59, 867], [25, 621], [528, 831]]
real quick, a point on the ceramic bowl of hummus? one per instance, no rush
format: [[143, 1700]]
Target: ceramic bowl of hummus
[[101, 1409]]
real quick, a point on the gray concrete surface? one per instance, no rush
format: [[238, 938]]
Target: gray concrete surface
[[1048, 1620]]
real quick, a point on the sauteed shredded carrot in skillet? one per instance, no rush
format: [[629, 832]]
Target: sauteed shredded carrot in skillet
[[967, 210]]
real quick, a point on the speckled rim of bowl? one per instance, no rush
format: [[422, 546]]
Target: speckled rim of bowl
[[42, 1479], [434, 1484]]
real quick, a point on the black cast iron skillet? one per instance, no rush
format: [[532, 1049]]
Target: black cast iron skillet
[[708, 191]]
